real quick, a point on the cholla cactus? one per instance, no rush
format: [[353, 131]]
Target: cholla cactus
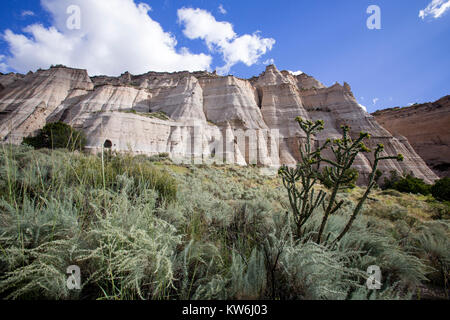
[[370, 185], [303, 201]]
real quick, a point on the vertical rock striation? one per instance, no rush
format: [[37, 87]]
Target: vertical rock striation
[[194, 116]]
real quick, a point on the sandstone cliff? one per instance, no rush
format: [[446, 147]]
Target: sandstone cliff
[[427, 128], [194, 116]]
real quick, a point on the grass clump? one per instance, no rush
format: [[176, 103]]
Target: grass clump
[[157, 114]]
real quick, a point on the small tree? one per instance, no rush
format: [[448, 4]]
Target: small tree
[[441, 189], [57, 135], [303, 201]]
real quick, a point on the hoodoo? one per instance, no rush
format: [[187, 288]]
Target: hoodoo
[[195, 115]]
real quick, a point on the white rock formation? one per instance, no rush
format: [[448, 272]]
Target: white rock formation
[[209, 117]]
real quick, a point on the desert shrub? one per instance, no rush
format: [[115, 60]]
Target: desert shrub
[[412, 185], [389, 182], [42, 271], [372, 242], [33, 224], [311, 271], [392, 212], [391, 192], [35, 173], [160, 157], [407, 184], [250, 224], [226, 234], [431, 243], [39, 241], [441, 189], [132, 254], [57, 135], [197, 270], [440, 209], [244, 279], [247, 277]]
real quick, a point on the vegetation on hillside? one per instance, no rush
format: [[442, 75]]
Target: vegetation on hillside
[[57, 135], [441, 189], [407, 183], [145, 228]]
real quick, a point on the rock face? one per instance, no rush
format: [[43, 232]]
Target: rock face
[[196, 117], [427, 128]]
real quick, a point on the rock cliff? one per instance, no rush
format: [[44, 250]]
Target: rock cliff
[[427, 128], [196, 116]]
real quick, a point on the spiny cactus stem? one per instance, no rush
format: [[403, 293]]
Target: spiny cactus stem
[[370, 185]]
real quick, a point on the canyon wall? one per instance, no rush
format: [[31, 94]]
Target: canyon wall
[[196, 117], [427, 128]]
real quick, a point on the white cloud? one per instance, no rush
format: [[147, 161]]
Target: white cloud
[[435, 8], [362, 107], [222, 9], [115, 36], [220, 36], [3, 66], [375, 100], [296, 73], [27, 13], [269, 61]]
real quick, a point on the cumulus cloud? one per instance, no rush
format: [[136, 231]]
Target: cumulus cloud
[[115, 36], [296, 73], [222, 9], [435, 9], [3, 66], [220, 37], [269, 61], [27, 13], [375, 100]]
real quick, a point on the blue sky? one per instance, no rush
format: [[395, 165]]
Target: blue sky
[[407, 61]]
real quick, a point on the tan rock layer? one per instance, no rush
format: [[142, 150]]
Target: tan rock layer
[[210, 117], [427, 128]]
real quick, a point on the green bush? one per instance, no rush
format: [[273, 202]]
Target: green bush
[[407, 184], [441, 189], [57, 135]]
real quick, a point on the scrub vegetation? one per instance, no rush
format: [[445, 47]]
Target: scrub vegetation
[[144, 228]]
